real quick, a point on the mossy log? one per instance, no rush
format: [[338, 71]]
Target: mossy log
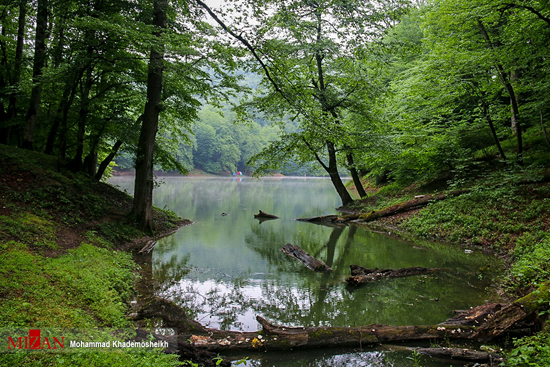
[[309, 261], [526, 310], [417, 202], [361, 275]]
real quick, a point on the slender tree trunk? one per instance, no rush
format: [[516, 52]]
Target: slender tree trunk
[[493, 131], [143, 191], [108, 160], [505, 80], [3, 85], [12, 108], [355, 176], [39, 60], [82, 116], [544, 130], [62, 114]]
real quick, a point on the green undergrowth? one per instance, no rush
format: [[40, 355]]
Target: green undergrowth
[[59, 263], [505, 211], [86, 287]]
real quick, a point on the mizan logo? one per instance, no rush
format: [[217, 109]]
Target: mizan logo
[[35, 342]]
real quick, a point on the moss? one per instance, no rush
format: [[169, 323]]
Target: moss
[[538, 299]]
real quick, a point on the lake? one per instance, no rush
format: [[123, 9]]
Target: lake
[[227, 267]]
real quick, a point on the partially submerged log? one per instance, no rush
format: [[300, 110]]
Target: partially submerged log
[[361, 275], [324, 219], [274, 337], [461, 354], [264, 215], [309, 261]]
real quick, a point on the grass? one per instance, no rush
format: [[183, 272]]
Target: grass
[[502, 213], [59, 264]]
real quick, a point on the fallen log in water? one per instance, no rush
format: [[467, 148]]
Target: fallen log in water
[[264, 215], [309, 261], [274, 337], [361, 275], [324, 219], [486, 322], [462, 354]]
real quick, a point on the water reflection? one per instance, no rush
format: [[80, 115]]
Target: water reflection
[[228, 268]]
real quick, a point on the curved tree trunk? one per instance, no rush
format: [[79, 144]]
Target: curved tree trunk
[[335, 175], [143, 192], [108, 160], [355, 176]]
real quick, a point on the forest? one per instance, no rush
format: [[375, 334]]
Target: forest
[[397, 90], [393, 93]]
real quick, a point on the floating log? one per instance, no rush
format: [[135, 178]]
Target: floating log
[[462, 354], [264, 215], [309, 261], [361, 275]]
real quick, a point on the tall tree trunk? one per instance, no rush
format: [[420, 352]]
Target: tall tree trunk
[[16, 78], [544, 130], [39, 60], [355, 175], [493, 131], [76, 163], [505, 80], [106, 161], [143, 191]]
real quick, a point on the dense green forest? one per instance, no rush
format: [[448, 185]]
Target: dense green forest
[[399, 93], [402, 91]]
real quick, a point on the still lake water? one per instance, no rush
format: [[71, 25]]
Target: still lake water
[[228, 268]]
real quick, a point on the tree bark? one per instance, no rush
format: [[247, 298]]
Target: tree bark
[[39, 60], [143, 192]]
